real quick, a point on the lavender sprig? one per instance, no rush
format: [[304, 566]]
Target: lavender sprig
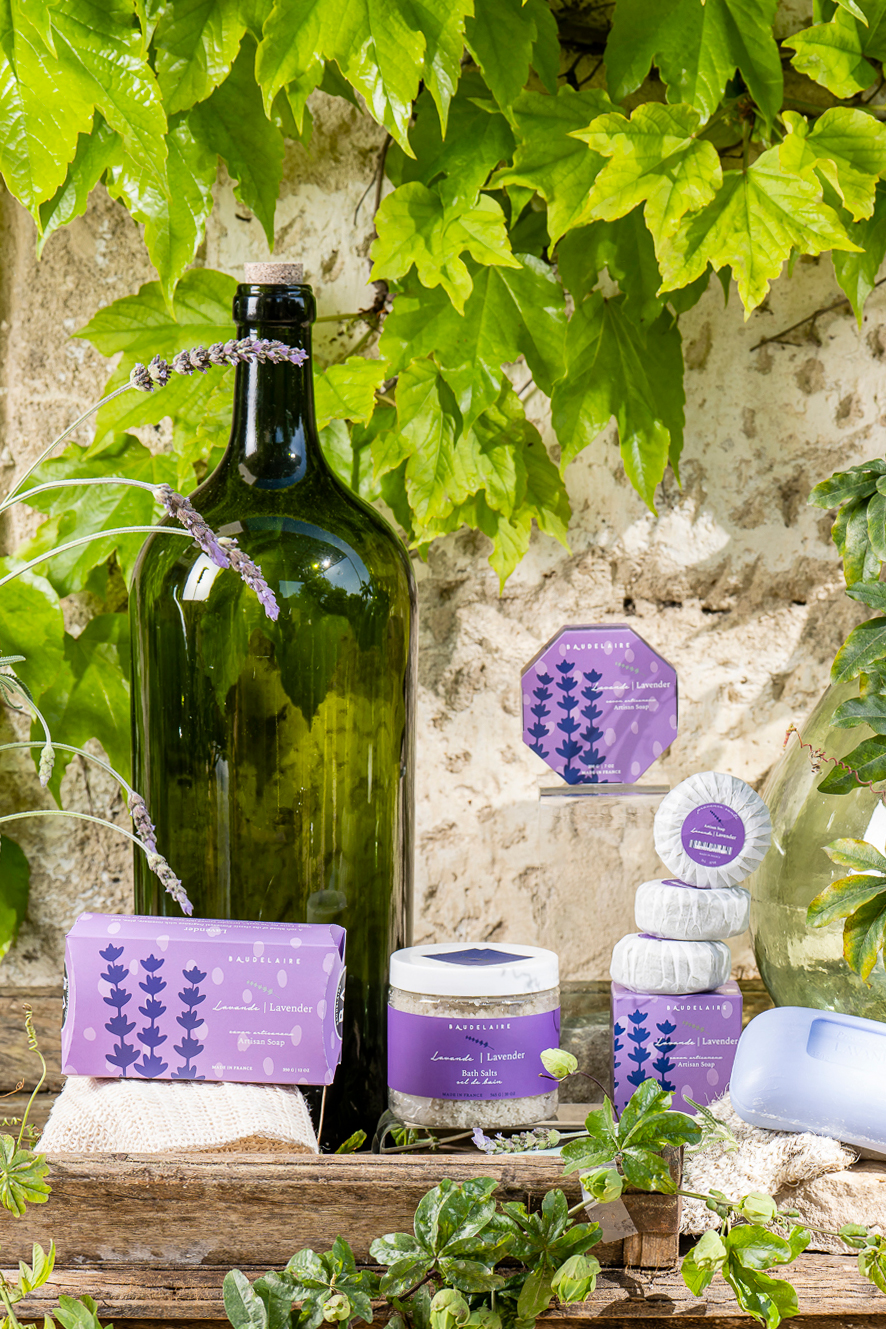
[[222, 550], [147, 834], [157, 373], [524, 1142]]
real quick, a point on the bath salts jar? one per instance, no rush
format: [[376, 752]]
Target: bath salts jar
[[467, 1024]]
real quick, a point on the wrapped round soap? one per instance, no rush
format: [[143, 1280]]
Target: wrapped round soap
[[685, 913], [712, 830], [656, 964]]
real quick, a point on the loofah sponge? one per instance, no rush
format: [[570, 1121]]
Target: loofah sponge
[[712, 830], [684, 913]]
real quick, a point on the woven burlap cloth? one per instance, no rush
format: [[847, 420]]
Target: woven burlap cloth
[[176, 1116]]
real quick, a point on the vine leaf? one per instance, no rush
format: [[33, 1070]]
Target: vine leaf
[[847, 150], [655, 159], [510, 312], [505, 37], [550, 159], [347, 390], [616, 367], [833, 53], [857, 273], [753, 223], [32, 625], [697, 49], [197, 42], [625, 249], [15, 880], [232, 123], [94, 154], [416, 227]]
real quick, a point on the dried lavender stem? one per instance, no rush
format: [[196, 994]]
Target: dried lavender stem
[[78, 752], [68, 432], [85, 539]]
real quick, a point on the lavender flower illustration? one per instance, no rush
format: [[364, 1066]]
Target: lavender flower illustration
[[569, 749], [150, 1037], [617, 1045], [124, 1053], [639, 1036], [189, 1019], [538, 730], [592, 712], [665, 1047]]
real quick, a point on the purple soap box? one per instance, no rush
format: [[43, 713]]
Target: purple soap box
[[686, 1043], [203, 999]]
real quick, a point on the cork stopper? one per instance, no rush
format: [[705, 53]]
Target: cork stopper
[[275, 274]]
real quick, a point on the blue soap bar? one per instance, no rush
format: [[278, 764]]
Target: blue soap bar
[[803, 1070]]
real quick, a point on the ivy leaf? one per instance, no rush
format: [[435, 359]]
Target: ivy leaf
[[196, 42], [868, 762], [615, 367], [753, 223], [232, 123], [550, 159], [863, 647], [846, 147], [347, 390], [857, 273], [31, 624], [174, 221], [508, 313], [478, 138], [833, 53], [697, 49], [415, 226], [654, 158], [15, 881], [505, 37], [95, 152]]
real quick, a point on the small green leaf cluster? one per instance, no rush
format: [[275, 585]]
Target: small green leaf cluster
[[859, 899], [443, 1275], [627, 1150], [742, 1253]]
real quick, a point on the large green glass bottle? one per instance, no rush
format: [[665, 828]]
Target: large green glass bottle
[[276, 758]]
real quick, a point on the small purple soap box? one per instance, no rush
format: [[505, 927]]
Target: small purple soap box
[[686, 1043], [203, 999]]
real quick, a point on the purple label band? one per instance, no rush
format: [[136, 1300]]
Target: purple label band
[[713, 834], [441, 1056]]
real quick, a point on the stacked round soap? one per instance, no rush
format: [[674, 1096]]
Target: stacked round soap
[[711, 831]]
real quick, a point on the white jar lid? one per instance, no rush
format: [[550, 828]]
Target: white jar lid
[[474, 969]]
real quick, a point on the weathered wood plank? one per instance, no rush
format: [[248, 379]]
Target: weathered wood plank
[[17, 1062], [829, 1287], [13, 1105]]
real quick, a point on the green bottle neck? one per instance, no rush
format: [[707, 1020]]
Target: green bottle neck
[[274, 441]]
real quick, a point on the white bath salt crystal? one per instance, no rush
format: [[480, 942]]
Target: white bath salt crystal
[[712, 830], [685, 913], [657, 964]]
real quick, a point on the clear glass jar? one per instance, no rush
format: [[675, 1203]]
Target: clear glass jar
[[461, 1059], [800, 965]]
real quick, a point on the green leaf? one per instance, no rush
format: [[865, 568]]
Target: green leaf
[[537, 1292], [654, 159], [649, 1097], [477, 139], [647, 1170], [288, 53], [436, 476], [504, 37], [77, 1313], [863, 647], [864, 933], [415, 226], [768, 1299], [509, 313], [442, 24], [625, 249], [550, 160], [850, 534], [22, 1181], [196, 42], [856, 854], [582, 1155], [95, 152], [616, 367], [697, 49], [695, 1276], [871, 593], [233, 124], [841, 898], [174, 221], [755, 220], [846, 147], [347, 390], [833, 53], [243, 1307], [756, 1248], [857, 482], [857, 273], [31, 624], [870, 710], [40, 1270], [15, 879], [868, 763], [658, 1129]]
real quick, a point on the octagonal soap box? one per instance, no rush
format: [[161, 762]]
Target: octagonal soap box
[[599, 704], [203, 999]]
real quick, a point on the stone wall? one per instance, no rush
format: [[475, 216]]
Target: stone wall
[[734, 581]]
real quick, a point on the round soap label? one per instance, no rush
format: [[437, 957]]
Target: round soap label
[[713, 834]]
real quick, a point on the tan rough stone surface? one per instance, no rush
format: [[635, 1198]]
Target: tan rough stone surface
[[857, 1195], [734, 580]]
